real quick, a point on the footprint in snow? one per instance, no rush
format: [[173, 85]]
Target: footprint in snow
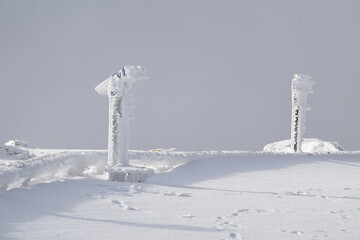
[[124, 205], [298, 193], [172, 193], [243, 210], [260, 210], [227, 223], [224, 225], [96, 196], [184, 195], [314, 190], [238, 212], [234, 236], [220, 229], [296, 232], [116, 202], [321, 233]]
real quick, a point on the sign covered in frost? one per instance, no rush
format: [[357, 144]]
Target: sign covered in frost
[[301, 87], [118, 88]]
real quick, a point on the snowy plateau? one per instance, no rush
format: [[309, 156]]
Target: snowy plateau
[[270, 194]]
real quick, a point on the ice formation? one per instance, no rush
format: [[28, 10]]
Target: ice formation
[[301, 86]]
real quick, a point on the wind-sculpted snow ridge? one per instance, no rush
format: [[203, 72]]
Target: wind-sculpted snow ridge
[[67, 164], [165, 160], [75, 163], [50, 167]]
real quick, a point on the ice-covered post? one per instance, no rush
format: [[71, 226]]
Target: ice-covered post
[[118, 88], [301, 87]]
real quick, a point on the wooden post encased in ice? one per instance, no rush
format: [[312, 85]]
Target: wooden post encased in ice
[[118, 88], [301, 86]]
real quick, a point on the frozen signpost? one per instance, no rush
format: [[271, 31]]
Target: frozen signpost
[[301, 86], [118, 88]]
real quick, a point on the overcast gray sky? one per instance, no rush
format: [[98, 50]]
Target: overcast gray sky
[[220, 71]]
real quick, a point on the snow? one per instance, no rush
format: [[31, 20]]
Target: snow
[[309, 145], [16, 142], [193, 195]]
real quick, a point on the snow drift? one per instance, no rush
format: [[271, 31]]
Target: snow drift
[[50, 165], [309, 145]]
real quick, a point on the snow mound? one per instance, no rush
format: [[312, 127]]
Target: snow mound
[[17, 143], [309, 145], [18, 149]]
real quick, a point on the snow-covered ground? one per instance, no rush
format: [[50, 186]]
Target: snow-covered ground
[[63, 194]]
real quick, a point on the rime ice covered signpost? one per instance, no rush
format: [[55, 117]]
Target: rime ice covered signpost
[[301, 87], [118, 88]]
